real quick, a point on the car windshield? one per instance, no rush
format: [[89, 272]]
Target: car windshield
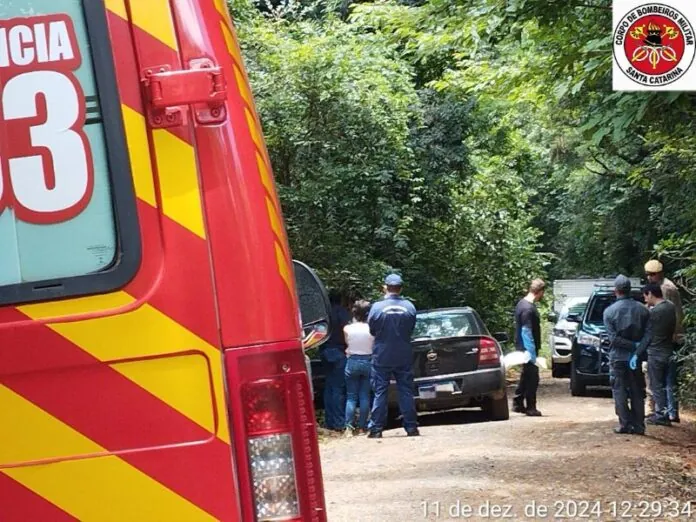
[[450, 323], [601, 303]]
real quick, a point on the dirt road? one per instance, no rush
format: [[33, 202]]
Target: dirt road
[[463, 467]]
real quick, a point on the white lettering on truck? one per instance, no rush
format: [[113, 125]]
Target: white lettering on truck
[[24, 45], [46, 169]]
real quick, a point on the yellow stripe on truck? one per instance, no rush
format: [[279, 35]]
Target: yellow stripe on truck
[[117, 7], [139, 152], [154, 17], [178, 178], [101, 489], [141, 333], [231, 43]]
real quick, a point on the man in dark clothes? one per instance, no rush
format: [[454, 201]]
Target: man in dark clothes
[[528, 339], [392, 321], [333, 357], [626, 321], [659, 343]]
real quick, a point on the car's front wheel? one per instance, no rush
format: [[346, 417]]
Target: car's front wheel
[[577, 385], [497, 409]]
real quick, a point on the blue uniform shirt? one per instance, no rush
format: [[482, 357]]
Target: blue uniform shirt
[[392, 321], [625, 321]]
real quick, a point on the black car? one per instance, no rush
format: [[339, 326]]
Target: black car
[[456, 363], [590, 351]]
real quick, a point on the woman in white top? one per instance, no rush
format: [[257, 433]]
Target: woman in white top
[[359, 352]]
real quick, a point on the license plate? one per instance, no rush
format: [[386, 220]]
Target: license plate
[[447, 387], [427, 392]]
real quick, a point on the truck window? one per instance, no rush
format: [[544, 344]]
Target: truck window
[[67, 208]]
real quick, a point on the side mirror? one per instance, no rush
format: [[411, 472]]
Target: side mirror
[[315, 308], [552, 317], [501, 337], [574, 318]]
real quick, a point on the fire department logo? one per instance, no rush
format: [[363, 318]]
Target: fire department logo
[[654, 45]]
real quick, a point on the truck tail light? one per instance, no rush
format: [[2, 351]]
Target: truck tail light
[[274, 432], [488, 352], [269, 444]]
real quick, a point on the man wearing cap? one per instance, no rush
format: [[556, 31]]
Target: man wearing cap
[[654, 271], [391, 322], [626, 321]]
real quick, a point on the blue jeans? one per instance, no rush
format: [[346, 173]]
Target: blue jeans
[[334, 363], [658, 369], [358, 389], [380, 377], [671, 389]]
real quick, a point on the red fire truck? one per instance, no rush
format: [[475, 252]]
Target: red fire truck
[[151, 362]]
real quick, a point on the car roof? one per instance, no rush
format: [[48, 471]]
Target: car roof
[[610, 290], [450, 309]]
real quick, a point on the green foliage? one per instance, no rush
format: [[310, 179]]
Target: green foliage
[[471, 145], [376, 175], [337, 109]]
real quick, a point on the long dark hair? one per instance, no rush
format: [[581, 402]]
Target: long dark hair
[[361, 309]]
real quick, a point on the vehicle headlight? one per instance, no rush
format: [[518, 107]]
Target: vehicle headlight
[[588, 340]]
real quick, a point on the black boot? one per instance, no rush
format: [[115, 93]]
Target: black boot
[[532, 409], [518, 405]]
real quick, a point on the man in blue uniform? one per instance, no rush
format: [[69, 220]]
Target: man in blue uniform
[[392, 321], [626, 321]]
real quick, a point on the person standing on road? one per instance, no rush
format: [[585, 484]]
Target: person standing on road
[[654, 271], [391, 322], [659, 343], [333, 357], [626, 321], [528, 339], [359, 353]]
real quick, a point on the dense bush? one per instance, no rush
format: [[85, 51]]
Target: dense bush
[[469, 146]]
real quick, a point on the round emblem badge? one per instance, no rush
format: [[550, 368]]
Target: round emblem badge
[[654, 45]]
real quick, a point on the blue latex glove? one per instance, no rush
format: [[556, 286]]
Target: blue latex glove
[[532, 356], [633, 362], [528, 342]]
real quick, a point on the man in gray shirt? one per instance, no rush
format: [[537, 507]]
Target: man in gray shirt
[[626, 321], [659, 343]]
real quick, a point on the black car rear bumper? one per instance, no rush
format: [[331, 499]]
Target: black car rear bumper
[[470, 388]]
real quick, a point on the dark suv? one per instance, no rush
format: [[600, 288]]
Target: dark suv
[[590, 352]]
